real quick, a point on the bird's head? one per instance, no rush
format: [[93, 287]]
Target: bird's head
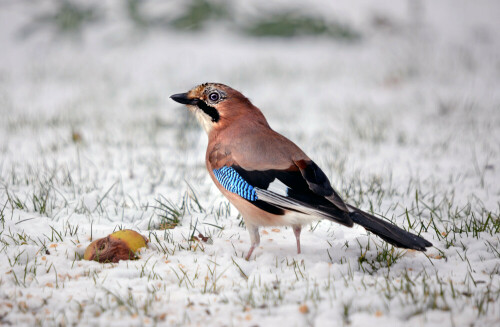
[[217, 105]]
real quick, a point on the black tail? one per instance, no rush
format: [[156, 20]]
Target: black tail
[[388, 232]]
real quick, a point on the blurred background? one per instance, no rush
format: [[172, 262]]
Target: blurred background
[[397, 101], [389, 81]]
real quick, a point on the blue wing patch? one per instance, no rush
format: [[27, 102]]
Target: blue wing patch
[[233, 182]]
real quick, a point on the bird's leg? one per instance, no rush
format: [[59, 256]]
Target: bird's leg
[[296, 232], [254, 238]]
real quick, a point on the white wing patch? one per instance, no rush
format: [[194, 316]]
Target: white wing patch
[[278, 187]]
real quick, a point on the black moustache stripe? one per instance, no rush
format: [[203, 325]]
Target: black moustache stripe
[[211, 111]]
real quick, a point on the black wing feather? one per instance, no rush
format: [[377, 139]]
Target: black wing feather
[[319, 183], [299, 191], [310, 193]]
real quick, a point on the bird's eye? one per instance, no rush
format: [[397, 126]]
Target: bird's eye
[[214, 96]]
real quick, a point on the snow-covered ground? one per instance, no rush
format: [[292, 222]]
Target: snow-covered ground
[[405, 120]]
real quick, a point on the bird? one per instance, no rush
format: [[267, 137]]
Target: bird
[[268, 178]]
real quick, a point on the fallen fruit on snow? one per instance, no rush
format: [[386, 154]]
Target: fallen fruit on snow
[[134, 240], [121, 245]]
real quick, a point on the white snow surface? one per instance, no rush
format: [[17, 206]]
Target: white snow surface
[[404, 121]]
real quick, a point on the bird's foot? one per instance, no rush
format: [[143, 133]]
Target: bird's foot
[[296, 232], [250, 251]]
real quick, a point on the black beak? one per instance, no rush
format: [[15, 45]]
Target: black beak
[[183, 98]]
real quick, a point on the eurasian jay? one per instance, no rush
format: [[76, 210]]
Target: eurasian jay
[[268, 178]]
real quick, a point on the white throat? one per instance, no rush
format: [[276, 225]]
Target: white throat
[[204, 119]]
